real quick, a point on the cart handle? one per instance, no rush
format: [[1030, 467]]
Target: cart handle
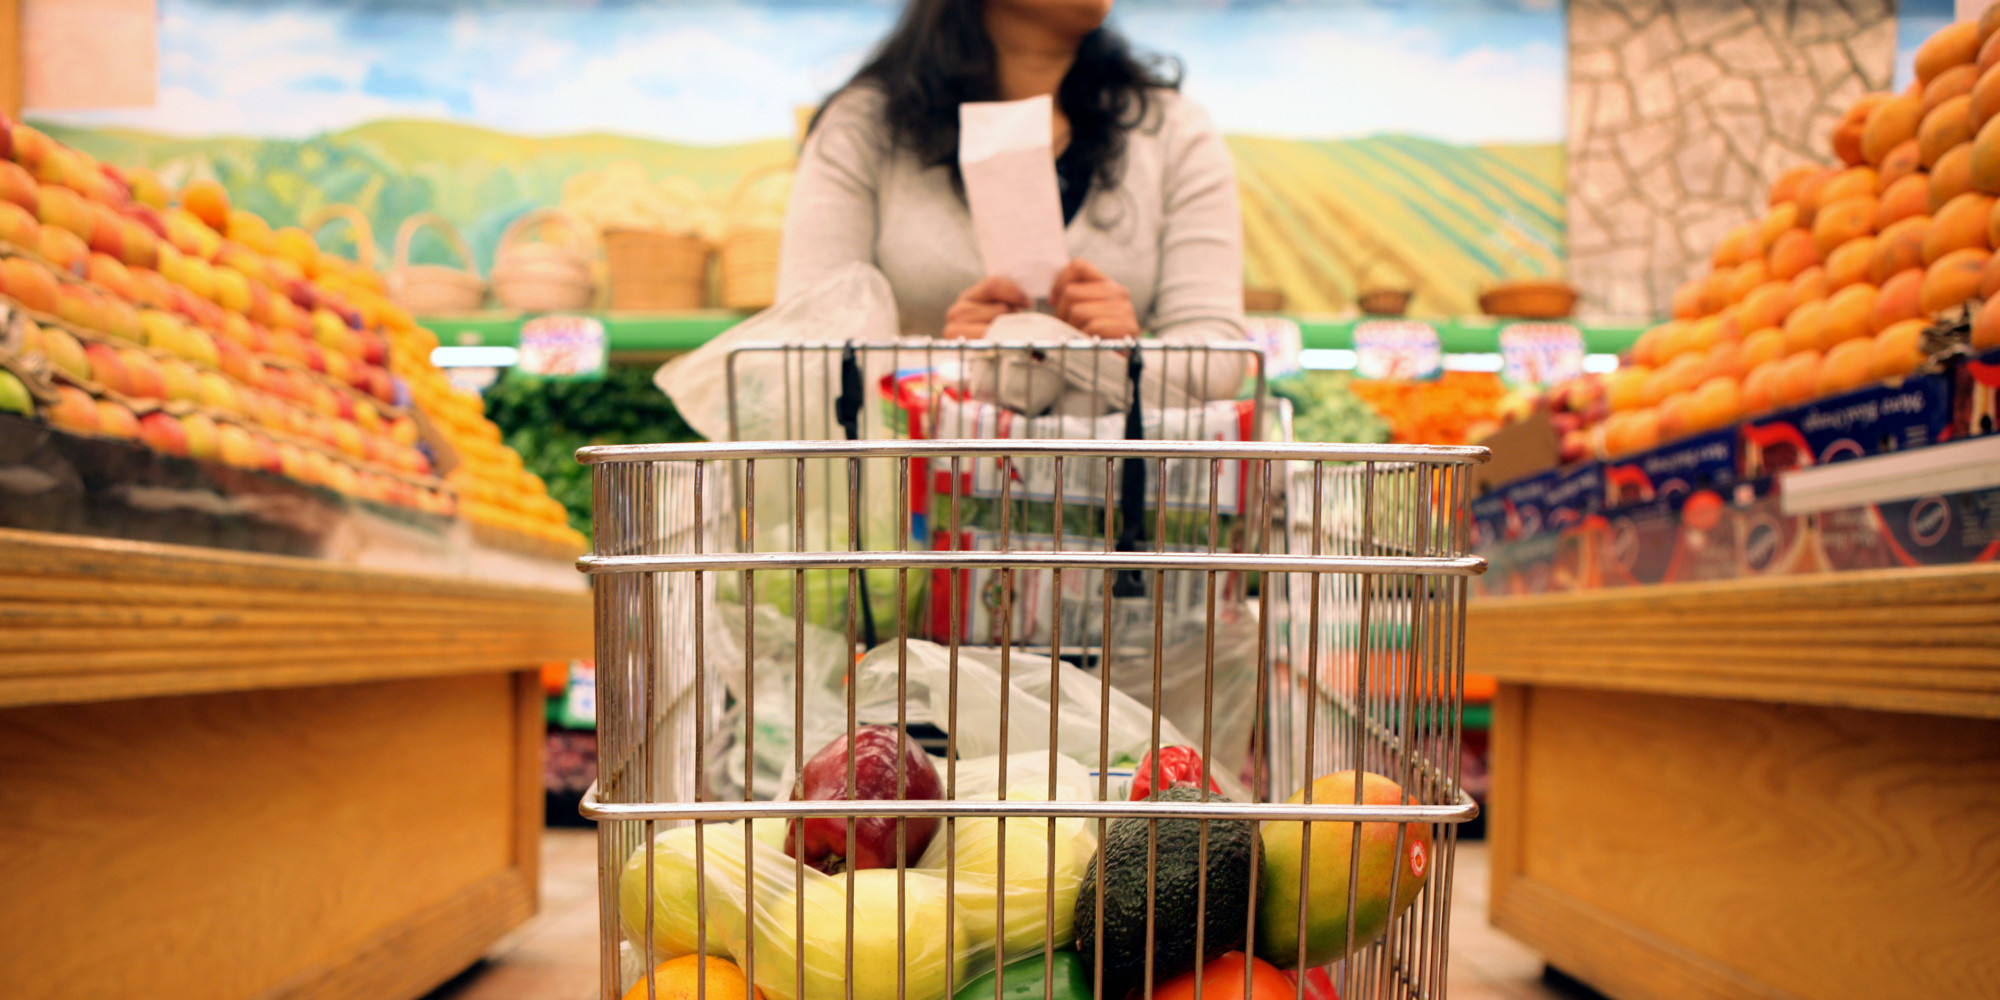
[[1437, 454]]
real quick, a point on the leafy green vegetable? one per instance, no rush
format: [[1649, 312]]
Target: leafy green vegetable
[[1325, 409], [547, 420]]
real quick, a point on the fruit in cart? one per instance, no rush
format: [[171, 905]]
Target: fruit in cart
[[693, 977], [677, 931], [1177, 894], [926, 957], [1176, 767], [1021, 907], [1223, 979], [875, 753], [1060, 976], [1390, 853]]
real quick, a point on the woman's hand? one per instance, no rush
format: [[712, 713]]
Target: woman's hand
[[977, 307], [1088, 300]]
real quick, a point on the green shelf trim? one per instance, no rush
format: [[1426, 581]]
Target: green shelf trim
[[651, 332]]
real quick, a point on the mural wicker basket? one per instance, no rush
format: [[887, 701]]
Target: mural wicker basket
[[432, 289], [1531, 299], [544, 275], [1377, 300], [1263, 300], [748, 260], [655, 271], [356, 219]]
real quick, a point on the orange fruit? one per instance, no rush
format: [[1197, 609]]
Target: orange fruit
[[1952, 45], [681, 979], [208, 202]]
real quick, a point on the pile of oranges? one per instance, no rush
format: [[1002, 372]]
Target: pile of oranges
[[1835, 286]]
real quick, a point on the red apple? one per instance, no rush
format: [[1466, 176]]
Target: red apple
[[162, 432]]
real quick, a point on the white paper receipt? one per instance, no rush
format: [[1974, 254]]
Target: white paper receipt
[[1010, 185]]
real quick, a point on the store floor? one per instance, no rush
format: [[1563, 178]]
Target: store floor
[[554, 957]]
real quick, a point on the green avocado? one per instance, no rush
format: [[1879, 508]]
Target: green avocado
[[1176, 900]]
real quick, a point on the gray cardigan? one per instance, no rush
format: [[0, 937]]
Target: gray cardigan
[[1171, 232]]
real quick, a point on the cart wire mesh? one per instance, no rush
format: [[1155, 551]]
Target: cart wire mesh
[[1348, 563]]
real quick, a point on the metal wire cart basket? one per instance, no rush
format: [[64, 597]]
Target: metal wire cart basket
[[1061, 734]]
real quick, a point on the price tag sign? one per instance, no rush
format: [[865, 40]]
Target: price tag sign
[[563, 347], [579, 709], [1540, 353], [1397, 350], [1280, 340]]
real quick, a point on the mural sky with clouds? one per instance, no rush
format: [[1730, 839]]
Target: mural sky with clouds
[[1419, 142]]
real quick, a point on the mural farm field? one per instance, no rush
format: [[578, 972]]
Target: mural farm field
[[1319, 216]]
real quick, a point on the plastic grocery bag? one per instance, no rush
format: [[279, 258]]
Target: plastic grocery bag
[[790, 395], [1184, 684], [1128, 729], [778, 651], [853, 304]]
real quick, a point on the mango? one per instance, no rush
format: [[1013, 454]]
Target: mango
[[825, 951], [1326, 885]]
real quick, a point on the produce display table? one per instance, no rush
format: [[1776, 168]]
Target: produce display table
[[228, 775], [1770, 788]]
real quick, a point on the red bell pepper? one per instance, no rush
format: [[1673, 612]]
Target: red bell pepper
[[1179, 767]]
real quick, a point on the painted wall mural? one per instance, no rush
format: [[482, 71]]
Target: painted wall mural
[[1416, 143]]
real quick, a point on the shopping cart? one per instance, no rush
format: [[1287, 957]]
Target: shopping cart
[[1354, 558]]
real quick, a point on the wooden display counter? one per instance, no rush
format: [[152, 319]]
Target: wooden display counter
[[228, 776], [1763, 789]]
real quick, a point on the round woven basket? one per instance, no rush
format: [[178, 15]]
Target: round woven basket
[[356, 219], [749, 256], [1529, 300], [654, 271], [434, 288], [1378, 299], [544, 275]]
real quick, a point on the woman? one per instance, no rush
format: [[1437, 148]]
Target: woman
[[1148, 190]]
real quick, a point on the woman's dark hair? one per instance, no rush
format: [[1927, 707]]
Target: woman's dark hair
[[939, 56]]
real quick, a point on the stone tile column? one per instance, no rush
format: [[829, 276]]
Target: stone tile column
[[1682, 113]]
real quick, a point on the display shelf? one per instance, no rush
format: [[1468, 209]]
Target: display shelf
[[92, 619], [1799, 761], [342, 766], [1909, 640], [656, 332]]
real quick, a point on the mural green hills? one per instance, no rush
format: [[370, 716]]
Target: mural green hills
[[1321, 218]]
